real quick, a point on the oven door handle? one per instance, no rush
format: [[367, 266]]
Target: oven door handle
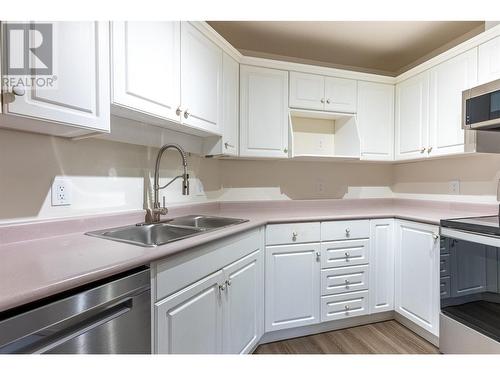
[[471, 237]]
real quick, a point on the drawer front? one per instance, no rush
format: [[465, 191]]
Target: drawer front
[[279, 234], [445, 287], [345, 230], [444, 265], [343, 306], [344, 279], [344, 253]]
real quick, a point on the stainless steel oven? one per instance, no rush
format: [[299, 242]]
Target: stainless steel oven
[[470, 285], [112, 316], [481, 107]]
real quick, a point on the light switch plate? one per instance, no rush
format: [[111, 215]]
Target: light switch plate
[[61, 192], [454, 187]]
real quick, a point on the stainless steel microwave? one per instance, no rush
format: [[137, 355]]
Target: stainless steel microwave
[[481, 107]]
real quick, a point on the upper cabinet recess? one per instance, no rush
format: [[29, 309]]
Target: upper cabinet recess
[[77, 102], [263, 112], [167, 74], [311, 91]]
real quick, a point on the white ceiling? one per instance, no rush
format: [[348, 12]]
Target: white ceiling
[[385, 47]]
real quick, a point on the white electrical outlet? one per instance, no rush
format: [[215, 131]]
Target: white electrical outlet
[[454, 187], [61, 192]]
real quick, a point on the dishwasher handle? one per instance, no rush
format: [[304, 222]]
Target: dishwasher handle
[[81, 327]]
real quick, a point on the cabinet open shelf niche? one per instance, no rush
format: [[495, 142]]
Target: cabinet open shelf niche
[[322, 135]]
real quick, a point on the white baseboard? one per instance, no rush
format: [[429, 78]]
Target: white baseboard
[[426, 335]]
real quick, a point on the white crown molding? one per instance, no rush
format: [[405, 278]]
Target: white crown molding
[[215, 37]]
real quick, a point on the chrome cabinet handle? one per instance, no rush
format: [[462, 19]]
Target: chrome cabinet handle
[[347, 232], [422, 150], [227, 144], [429, 150], [285, 150], [435, 236], [346, 283], [346, 307], [228, 283], [222, 287], [322, 100], [18, 90], [178, 111], [328, 101], [186, 114], [294, 236], [318, 256]]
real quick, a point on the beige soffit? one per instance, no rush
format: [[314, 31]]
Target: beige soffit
[[382, 47]]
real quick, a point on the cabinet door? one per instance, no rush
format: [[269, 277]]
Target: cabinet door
[[381, 265], [292, 286], [190, 321], [417, 274], [244, 307], [375, 118], [263, 112], [307, 91], [447, 81], [231, 105], [489, 61], [81, 67], [201, 80], [340, 94], [412, 117], [146, 67]]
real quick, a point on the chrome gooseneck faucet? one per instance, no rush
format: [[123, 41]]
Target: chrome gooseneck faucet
[[154, 215]]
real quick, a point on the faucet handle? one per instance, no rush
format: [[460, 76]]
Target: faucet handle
[[163, 202]]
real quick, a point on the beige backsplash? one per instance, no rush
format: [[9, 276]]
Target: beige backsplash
[[111, 177]]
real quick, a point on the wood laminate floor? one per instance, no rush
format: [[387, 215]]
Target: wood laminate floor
[[388, 337]]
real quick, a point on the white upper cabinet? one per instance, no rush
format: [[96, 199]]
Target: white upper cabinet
[[201, 80], [263, 112], [228, 144], [412, 117], [311, 91], [447, 81], [489, 61], [340, 95], [80, 95], [375, 119], [307, 91], [146, 67], [417, 274]]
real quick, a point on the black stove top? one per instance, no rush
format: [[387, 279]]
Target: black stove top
[[481, 224]]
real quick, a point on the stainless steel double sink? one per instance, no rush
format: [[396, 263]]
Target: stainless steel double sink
[[156, 234]]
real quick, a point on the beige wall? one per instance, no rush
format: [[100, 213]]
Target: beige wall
[[105, 176], [110, 177], [478, 176]]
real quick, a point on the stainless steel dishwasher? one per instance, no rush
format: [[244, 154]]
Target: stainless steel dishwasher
[[109, 317]]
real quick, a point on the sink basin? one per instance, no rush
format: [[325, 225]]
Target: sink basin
[[151, 235], [205, 222], [146, 235]]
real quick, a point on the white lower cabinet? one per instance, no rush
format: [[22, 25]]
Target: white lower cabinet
[[346, 305], [219, 313], [244, 305], [190, 321], [292, 285], [417, 287], [381, 265]]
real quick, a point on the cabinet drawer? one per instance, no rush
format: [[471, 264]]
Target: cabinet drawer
[[344, 253], [345, 305], [345, 230], [444, 265], [445, 287], [344, 279], [278, 234]]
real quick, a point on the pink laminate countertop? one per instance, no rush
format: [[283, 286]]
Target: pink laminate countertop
[[55, 256]]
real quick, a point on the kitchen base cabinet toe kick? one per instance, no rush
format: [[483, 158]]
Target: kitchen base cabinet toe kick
[[294, 279]]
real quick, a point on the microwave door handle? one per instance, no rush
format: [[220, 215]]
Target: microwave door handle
[[86, 325]]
